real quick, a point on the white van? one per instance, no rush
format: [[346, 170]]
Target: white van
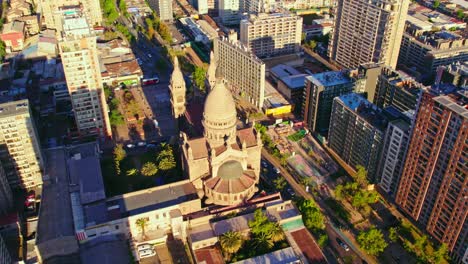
[[146, 253]]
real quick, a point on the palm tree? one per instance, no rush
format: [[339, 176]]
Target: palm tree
[[142, 223], [276, 233], [149, 169], [231, 242], [262, 243]]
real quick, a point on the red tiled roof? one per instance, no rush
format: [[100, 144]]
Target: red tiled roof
[[248, 135], [307, 245], [210, 255], [236, 185]]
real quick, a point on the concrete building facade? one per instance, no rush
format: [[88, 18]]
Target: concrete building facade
[[84, 81], [20, 152], [356, 132], [433, 186], [320, 90], [243, 71], [53, 11], [367, 31], [163, 9], [270, 35], [394, 149], [6, 197], [230, 12]]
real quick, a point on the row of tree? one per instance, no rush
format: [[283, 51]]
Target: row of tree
[[155, 24], [313, 220]]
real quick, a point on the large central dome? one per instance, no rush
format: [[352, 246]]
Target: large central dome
[[219, 104], [219, 115]]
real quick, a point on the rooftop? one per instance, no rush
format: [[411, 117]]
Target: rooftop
[[14, 108], [238, 223], [331, 78], [365, 109], [152, 199], [88, 173], [283, 70], [454, 104], [285, 255]]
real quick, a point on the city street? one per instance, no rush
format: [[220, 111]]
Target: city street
[[332, 231]]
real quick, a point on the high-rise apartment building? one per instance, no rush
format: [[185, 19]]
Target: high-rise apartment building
[[243, 71], [4, 253], [78, 50], [397, 90], [53, 11], [434, 184], [163, 9], [455, 74], [269, 35], [20, 152], [230, 12], [356, 132], [393, 156], [6, 197], [320, 90], [367, 31]]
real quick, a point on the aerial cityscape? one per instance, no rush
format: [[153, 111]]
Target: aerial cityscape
[[234, 131]]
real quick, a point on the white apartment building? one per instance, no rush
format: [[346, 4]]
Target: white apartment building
[[269, 35], [163, 9], [53, 11], [230, 12], [244, 72], [393, 155], [79, 55], [367, 31], [20, 152]]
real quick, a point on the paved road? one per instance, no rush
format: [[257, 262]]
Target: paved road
[[332, 232]]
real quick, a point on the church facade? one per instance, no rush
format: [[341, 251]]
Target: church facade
[[223, 164]]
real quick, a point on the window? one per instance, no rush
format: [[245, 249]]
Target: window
[[116, 227]]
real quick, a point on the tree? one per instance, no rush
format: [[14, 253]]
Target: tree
[[393, 234], [312, 216], [199, 76], [149, 169], [2, 49], [116, 118], [259, 223], [231, 242], [441, 254], [276, 233], [165, 158], [436, 4], [142, 223], [123, 7], [119, 152], [372, 241], [262, 243], [312, 44], [132, 172], [460, 14], [322, 240], [110, 11], [280, 183], [361, 176], [163, 30], [340, 192]]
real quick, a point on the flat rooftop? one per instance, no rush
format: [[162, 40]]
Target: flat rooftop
[[458, 106], [330, 78], [88, 172], [365, 109], [151, 199], [14, 108], [238, 223], [285, 255]]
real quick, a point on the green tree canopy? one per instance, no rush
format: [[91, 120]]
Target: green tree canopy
[[312, 216], [199, 76], [2, 50], [231, 242], [361, 176], [372, 241], [460, 14], [280, 183], [436, 4], [393, 234], [142, 223], [119, 152], [149, 169], [165, 158]]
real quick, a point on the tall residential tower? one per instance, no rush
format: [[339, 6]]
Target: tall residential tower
[[367, 31]]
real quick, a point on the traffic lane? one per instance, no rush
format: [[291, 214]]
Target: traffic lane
[[301, 192], [332, 238]]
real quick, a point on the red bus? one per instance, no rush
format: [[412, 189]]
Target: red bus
[[150, 81]]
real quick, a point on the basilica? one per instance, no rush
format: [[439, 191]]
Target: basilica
[[223, 164]]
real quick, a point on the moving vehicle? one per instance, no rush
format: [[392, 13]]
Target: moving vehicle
[[149, 81]]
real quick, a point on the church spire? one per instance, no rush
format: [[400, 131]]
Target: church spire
[[177, 89], [211, 72]]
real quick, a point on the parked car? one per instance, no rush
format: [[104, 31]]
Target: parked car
[[291, 192], [149, 55], [130, 146], [342, 244], [141, 144], [146, 253], [144, 247], [276, 170], [264, 164]]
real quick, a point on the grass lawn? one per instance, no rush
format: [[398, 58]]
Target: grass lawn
[[119, 184], [339, 209]]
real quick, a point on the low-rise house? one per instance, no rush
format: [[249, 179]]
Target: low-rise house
[[13, 36]]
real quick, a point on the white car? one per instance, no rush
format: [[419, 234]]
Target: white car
[[144, 247], [141, 144], [130, 146], [139, 62], [149, 55], [276, 170], [146, 253]]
